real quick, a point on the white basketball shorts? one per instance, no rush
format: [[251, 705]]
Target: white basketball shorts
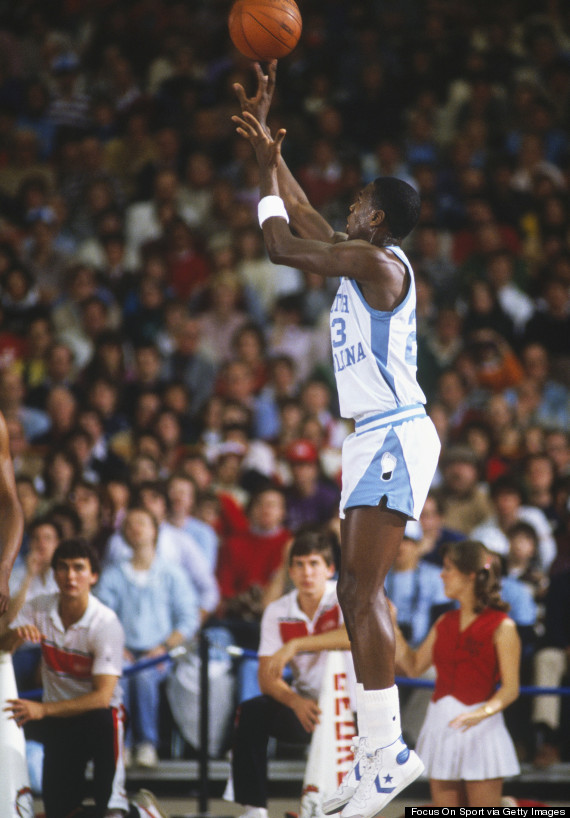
[[390, 454]]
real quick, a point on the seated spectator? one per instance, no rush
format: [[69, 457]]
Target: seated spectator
[[20, 299], [80, 717], [189, 366], [465, 502], [168, 429], [146, 375], [173, 545], [557, 447], [538, 474], [29, 579], [522, 561], [496, 366], [26, 460], [292, 631], [58, 371], [414, 586], [227, 470], [39, 338], [158, 610], [507, 508], [101, 419], [30, 499], [86, 500], [550, 326], [61, 472], [512, 299], [248, 345], [288, 336], [223, 317], [484, 312], [311, 499], [248, 558], [182, 500], [115, 501], [61, 408], [143, 315], [433, 532], [317, 400]]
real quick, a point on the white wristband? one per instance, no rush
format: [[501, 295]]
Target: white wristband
[[271, 206]]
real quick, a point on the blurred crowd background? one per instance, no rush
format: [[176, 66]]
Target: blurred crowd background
[[152, 356]]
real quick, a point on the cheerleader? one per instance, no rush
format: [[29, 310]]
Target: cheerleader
[[464, 744]]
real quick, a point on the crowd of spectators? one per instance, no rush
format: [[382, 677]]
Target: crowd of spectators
[[151, 356]]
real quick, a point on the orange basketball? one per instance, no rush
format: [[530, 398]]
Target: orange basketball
[[265, 29]]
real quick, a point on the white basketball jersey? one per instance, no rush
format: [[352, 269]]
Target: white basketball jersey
[[374, 352]]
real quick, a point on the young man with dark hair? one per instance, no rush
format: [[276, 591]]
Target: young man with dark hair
[[296, 629], [81, 715], [389, 462]]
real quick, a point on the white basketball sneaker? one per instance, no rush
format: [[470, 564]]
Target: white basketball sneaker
[[389, 771], [351, 780]]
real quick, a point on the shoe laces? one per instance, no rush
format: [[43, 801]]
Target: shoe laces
[[358, 750], [369, 773]]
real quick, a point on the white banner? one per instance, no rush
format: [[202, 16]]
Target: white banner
[[16, 799], [330, 755]]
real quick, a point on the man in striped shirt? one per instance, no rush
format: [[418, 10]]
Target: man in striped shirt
[[81, 715]]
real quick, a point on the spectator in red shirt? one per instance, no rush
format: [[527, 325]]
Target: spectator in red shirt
[[250, 558]]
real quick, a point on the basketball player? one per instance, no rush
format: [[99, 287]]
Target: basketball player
[[389, 461], [11, 517]]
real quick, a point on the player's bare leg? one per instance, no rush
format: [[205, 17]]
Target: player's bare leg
[[383, 765]]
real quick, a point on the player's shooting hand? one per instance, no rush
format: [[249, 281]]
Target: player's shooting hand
[[259, 104], [281, 657], [24, 710], [267, 149], [308, 713]]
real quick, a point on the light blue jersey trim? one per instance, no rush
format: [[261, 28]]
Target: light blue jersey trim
[[393, 417], [382, 315]]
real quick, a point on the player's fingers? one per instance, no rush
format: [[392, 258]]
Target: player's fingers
[[240, 93], [242, 127], [261, 77]]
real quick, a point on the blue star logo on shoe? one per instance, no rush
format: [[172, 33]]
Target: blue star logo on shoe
[[379, 787]]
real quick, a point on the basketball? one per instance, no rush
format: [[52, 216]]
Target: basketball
[[265, 29]]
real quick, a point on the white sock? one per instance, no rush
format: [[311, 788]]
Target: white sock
[[382, 716]]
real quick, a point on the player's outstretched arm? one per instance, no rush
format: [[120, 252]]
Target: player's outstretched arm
[[357, 259], [11, 516], [305, 220]]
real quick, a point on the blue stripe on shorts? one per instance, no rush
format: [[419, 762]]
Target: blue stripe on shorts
[[387, 475]]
